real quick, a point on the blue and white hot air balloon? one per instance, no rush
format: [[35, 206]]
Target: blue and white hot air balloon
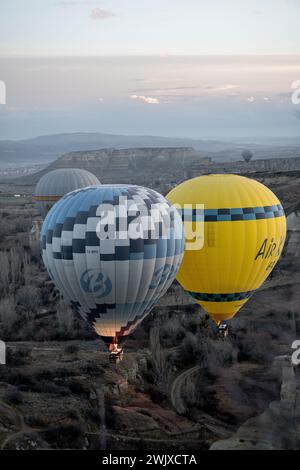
[[113, 251]]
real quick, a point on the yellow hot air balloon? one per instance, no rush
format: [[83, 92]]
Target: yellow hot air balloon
[[243, 230]]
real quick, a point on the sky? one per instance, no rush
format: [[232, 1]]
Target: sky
[[143, 27], [217, 69]]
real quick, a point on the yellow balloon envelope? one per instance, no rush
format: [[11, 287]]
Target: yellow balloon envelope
[[237, 230]]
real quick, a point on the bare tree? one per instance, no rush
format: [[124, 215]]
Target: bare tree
[[65, 317], [14, 270], [4, 272], [8, 315], [161, 366], [29, 297]]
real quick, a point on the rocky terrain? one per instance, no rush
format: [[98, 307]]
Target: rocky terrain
[[158, 165], [278, 427], [162, 168], [45, 149]]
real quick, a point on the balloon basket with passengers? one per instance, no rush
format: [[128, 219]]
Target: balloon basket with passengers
[[114, 250]]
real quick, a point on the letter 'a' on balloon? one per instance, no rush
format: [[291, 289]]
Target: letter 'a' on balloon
[[244, 230], [113, 251], [55, 184]]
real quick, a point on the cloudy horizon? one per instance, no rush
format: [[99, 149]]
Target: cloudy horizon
[[206, 70]]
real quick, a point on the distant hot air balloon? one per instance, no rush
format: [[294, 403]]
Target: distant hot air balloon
[[247, 155], [244, 233], [55, 184], [113, 251]]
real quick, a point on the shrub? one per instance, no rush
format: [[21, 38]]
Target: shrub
[[172, 331], [110, 416], [13, 397], [38, 386], [65, 319], [73, 414], [65, 437], [162, 371], [8, 315], [188, 351], [257, 347], [77, 388], [93, 415], [17, 357], [71, 349], [29, 298], [35, 421], [13, 270], [216, 354]]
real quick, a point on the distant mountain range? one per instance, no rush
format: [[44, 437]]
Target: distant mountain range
[[46, 149]]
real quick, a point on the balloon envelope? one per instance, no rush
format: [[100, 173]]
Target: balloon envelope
[[244, 230], [55, 184], [113, 251], [247, 155]]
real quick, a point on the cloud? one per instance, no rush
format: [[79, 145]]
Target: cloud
[[251, 99], [99, 14], [160, 80], [65, 4], [177, 91], [145, 99], [96, 13], [183, 90], [226, 87], [71, 3]]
